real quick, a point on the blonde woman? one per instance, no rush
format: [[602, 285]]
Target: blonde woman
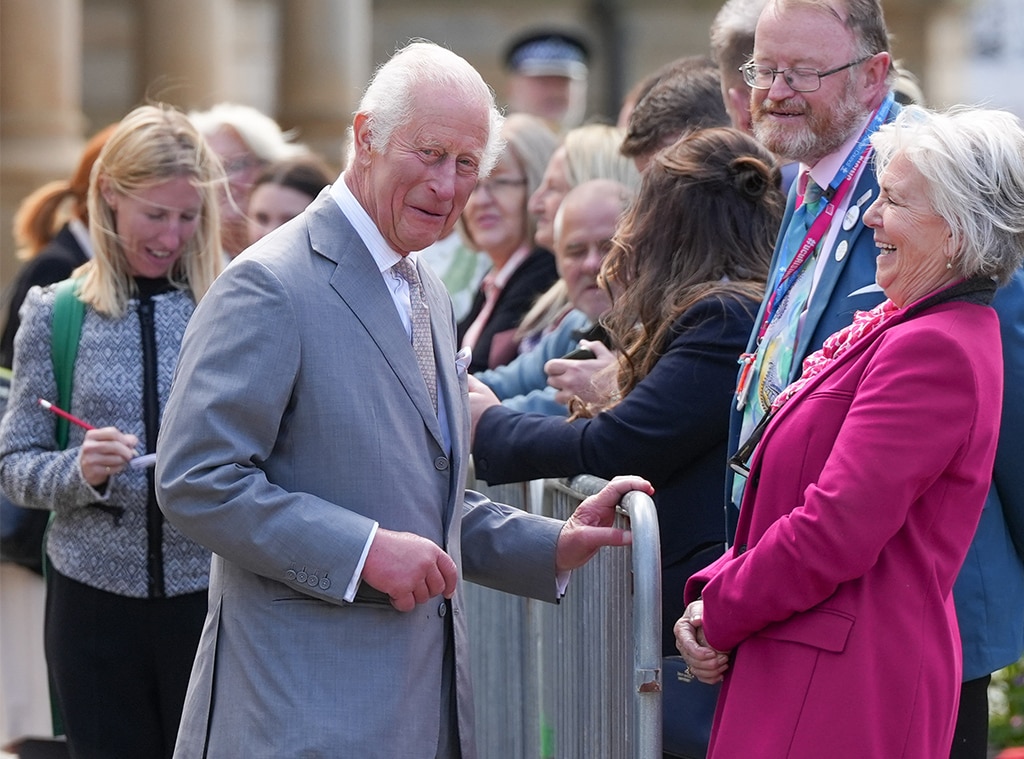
[[126, 591]]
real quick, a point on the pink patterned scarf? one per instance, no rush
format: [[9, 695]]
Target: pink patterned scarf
[[864, 322]]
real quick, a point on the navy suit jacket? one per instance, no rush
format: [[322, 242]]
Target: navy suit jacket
[[847, 284], [671, 428]]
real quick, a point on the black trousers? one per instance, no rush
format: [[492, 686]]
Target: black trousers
[[119, 666], [970, 740]]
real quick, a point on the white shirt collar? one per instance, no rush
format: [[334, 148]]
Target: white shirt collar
[[824, 171], [383, 254]]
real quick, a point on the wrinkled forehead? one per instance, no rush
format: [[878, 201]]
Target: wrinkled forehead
[[589, 220], [455, 123], [801, 30]]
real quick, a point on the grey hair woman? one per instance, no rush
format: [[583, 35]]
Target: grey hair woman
[[880, 456]]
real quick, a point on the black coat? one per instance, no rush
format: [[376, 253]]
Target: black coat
[[53, 263], [671, 428], [497, 345]]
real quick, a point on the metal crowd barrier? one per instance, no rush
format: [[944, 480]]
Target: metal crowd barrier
[[581, 678]]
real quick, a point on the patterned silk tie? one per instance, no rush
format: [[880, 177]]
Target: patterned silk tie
[[803, 216], [422, 343]]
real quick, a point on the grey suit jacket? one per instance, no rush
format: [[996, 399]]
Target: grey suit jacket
[[298, 417]]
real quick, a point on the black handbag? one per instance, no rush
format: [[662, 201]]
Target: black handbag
[[687, 706]]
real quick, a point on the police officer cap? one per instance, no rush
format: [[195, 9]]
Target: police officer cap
[[548, 53]]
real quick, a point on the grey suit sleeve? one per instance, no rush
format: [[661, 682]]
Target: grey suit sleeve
[[229, 401], [508, 549]]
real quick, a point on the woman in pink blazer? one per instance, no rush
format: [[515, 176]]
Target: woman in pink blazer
[[831, 618]]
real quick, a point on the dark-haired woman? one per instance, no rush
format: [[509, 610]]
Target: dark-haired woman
[[283, 190], [686, 273]]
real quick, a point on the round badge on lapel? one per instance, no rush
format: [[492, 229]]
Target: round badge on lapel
[[841, 249], [851, 217]]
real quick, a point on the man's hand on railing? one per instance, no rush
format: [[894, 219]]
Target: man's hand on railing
[[706, 664], [589, 528]]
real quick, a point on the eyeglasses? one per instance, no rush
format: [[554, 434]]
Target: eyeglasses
[[798, 79], [499, 185]]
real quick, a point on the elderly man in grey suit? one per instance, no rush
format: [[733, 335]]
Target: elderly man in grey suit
[[317, 445]]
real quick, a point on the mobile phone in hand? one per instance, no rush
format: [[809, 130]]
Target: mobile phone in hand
[[579, 354]]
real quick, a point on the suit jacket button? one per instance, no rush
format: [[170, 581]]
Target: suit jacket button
[[312, 581], [440, 463], [300, 576], [442, 609], [290, 574], [325, 584]]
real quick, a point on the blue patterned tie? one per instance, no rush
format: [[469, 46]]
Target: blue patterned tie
[[803, 217], [422, 343]]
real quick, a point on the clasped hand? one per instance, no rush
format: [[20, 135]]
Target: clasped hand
[[706, 664]]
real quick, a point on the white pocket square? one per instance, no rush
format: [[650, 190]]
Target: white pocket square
[[462, 361]]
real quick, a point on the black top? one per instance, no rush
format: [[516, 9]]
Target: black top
[[496, 345], [53, 263]]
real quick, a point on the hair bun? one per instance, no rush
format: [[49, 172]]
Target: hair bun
[[751, 177]]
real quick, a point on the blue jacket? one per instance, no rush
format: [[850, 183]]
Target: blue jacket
[[989, 591], [522, 384]]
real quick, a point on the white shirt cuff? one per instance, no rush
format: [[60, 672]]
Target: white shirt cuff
[[353, 584], [562, 582]]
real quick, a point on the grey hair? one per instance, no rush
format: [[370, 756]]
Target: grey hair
[[589, 191], [973, 161], [592, 152], [732, 37], [260, 133], [388, 98], [530, 140]]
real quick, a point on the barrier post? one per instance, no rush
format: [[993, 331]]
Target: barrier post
[[581, 678]]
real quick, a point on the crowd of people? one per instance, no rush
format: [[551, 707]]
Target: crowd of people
[[781, 296]]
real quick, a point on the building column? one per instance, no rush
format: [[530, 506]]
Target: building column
[[185, 52], [41, 121], [325, 65]]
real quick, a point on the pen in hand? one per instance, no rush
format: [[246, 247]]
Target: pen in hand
[[138, 462], [62, 413]]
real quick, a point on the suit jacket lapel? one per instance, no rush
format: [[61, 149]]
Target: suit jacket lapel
[[360, 284], [837, 256], [842, 250], [442, 327]]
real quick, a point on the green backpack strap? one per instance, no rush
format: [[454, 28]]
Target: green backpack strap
[[68, 315]]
